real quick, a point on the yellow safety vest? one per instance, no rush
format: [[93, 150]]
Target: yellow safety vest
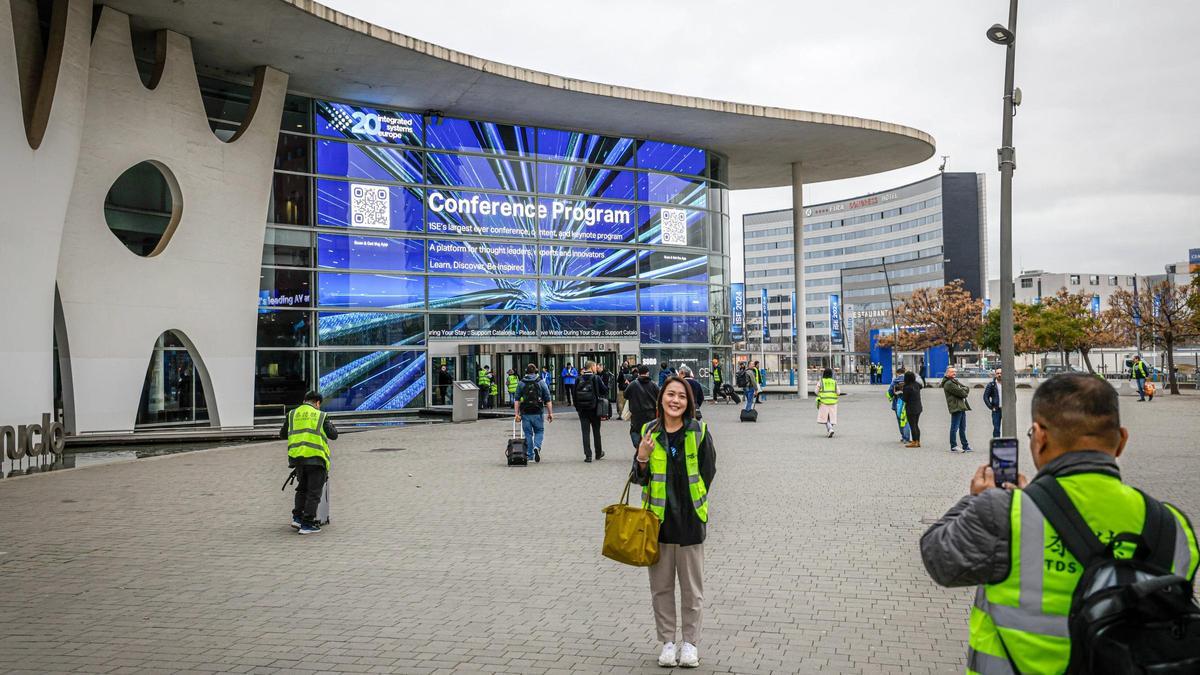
[[513, 381], [827, 392], [306, 434], [1025, 616], [654, 494]]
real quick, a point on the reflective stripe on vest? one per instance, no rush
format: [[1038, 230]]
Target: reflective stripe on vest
[[827, 392], [1025, 617], [654, 494], [306, 434]]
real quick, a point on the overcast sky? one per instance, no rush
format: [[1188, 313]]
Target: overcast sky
[[1107, 138]]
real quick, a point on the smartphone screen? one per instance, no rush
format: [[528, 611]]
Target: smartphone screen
[[1004, 460]]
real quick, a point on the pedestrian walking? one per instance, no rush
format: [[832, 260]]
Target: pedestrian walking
[[745, 380], [911, 395], [1027, 563], [512, 382], [484, 380], [956, 402], [688, 376], [445, 386], [760, 381], [664, 371], [1139, 373], [308, 432], [924, 373], [676, 463], [589, 391], [625, 375], [718, 379], [991, 399], [642, 395], [569, 376], [530, 401], [606, 404], [895, 396], [827, 400]]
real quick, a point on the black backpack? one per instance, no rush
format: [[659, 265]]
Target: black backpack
[[743, 379], [1128, 615], [531, 398], [585, 392]]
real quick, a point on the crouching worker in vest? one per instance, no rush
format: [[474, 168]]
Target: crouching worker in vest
[[676, 462], [308, 432], [1026, 569]]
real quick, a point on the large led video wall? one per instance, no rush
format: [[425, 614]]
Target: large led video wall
[[390, 229]]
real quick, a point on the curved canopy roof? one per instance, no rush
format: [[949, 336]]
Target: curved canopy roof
[[331, 54]]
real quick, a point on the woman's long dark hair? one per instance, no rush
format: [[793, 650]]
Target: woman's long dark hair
[[688, 414]]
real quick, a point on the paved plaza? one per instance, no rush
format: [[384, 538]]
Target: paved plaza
[[440, 559]]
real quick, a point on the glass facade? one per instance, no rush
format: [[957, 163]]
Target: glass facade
[[390, 230]]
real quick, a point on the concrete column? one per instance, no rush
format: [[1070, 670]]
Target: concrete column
[[798, 271]]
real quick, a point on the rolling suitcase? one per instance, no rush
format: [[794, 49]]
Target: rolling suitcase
[[749, 415], [515, 451], [323, 507]]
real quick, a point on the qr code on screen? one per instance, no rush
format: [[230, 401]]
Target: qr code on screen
[[674, 227], [370, 206]]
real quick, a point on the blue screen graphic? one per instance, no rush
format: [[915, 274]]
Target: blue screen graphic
[[576, 146], [481, 325], [470, 171], [481, 214], [686, 227], [351, 252], [660, 156], [589, 325], [469, 257], [674, 298], [482, 293], [352, 329], [661, 187], [368, 161], [668, 265], [343, 204], [586, 181], [374, 291], [363, 123], [586, 296], [569, 261], [382, 380], [576, 220], [467, 136], [674, 329]]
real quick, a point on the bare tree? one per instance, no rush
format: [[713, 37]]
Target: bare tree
[[933, 317], [1163, 309]]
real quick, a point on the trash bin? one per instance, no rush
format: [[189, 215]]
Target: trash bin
[[466, 402]]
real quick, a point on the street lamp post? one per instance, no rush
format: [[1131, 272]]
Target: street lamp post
[[1007, 157]]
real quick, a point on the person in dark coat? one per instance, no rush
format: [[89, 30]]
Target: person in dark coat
[[912, 407], [642, 395]]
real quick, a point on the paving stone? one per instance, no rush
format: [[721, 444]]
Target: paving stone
[[441, 559]]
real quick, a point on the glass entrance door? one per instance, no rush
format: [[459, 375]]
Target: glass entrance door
[[444, 369]]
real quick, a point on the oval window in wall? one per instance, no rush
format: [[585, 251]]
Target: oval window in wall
[[142, 208]]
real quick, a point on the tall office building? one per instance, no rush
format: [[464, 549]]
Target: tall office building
[[871, 252]]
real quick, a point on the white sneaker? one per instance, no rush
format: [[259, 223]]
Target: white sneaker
[[688, 656], [667, 658]]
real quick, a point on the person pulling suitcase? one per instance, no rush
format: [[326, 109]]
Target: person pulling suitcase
[[308, 432]]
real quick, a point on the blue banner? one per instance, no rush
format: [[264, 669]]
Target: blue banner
[[766, 319], [1095, 306], [737, 322], [794, 330], [835, 318]]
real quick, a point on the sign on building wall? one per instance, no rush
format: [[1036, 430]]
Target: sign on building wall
[[1193, 260], [794, 330], [849, 311], [1095, 305], [737, 321]]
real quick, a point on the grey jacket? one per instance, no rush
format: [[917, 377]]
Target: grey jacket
[[970, 545]]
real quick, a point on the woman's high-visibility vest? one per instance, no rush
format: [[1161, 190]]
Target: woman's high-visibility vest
[[306, 434], [654, 494], [1025, 616], [513, 381], [827, 392]]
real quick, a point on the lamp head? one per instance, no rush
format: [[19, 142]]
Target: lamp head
[[1001, 35]]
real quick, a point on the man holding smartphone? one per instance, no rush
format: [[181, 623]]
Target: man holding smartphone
[[997, 538]]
